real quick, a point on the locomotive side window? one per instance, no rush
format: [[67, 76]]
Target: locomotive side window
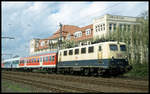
[[70, 52], [100, 48], [65, 53], [83, 50], [76, 51], [113, 47], [122, 48], [90, 49]]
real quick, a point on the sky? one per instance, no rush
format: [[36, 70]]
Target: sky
[[36, 19]]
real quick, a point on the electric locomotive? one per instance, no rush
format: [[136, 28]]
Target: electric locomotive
[[101, 58]]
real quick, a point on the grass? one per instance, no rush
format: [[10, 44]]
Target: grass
[[8, 86], [139, 71]]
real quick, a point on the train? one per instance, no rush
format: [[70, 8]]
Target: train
[[104, 58]]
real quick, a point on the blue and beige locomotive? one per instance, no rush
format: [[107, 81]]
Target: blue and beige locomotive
[[95, 59]]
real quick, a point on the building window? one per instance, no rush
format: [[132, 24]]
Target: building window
[[114, 27], [120, 27], [129, 27], [124, 27], [96, 30], [68, 37], [78, 34], [42, 43], [110, 27], [135, 27], [88, 31]]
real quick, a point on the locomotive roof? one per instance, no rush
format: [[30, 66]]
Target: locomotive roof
[[42, 53], [108, 42]]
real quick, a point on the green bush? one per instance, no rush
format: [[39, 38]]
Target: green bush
[[139, 70]]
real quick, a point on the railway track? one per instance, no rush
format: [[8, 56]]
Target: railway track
[[46, 85], [127, 84]]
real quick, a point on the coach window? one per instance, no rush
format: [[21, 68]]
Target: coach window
[[43, 59], [53, 58], [35, 60], [40, 59], [46, 58], [83, 50], [76, 51], [32, 60], [70, 52], [65, 53], [49, 58], [113, 47], [90, 49], [100, 48]]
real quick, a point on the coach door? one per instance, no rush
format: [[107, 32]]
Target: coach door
[[25, 62], [41, 61], [59, 56]]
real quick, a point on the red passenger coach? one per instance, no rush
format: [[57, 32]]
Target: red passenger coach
[[48, 60]]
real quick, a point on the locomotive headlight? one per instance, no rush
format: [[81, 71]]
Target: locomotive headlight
[[112, 57], [126, 58]]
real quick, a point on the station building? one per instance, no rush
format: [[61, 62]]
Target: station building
[[100, 28]]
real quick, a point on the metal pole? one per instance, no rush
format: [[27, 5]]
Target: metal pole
[[60, 39]]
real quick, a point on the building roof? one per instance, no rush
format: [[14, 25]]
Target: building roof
[[70, 29]]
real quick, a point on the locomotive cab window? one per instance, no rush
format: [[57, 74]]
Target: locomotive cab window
[[90, 49], [65, 53], [113, 47], [122, 48], [76, 51], [83, 50]]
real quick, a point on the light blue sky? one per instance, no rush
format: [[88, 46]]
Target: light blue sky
[[27, 20]]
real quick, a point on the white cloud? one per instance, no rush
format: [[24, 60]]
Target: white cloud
[[29, 19]]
